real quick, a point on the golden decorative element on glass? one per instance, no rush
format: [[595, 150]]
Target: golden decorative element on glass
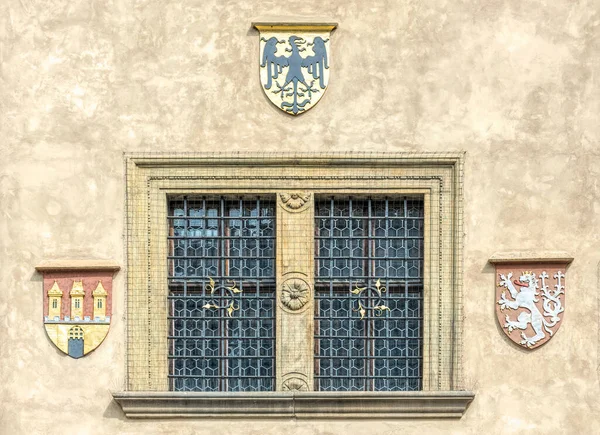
[[211, 285], [379, 309], [231, 309], [294, 294], [232, 288], [360, 310]]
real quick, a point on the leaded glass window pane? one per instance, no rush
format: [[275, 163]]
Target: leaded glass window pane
[[368, 294], [221, 294]]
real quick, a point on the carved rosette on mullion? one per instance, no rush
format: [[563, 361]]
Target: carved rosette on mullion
[[295, 304]]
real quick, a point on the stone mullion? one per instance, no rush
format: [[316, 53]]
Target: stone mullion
[[295, 301]]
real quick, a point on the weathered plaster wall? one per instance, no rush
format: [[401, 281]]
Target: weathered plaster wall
[[512, 83]]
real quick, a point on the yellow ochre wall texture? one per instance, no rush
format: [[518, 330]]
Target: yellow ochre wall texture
[[513, 83]]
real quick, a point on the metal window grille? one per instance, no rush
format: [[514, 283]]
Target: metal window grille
[[368, 294], [221, 294]]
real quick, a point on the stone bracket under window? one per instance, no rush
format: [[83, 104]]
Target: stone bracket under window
[[424, 404]]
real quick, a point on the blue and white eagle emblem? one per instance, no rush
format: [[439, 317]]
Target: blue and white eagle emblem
[[294, 64]]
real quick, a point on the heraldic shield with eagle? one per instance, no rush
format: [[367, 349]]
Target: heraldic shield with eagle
[[294, 64]]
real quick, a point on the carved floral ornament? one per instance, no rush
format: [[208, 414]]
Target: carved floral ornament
[[294, 200], [294, 384], [294, 293]]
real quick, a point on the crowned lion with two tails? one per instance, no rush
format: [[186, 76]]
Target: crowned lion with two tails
[[525, 297]]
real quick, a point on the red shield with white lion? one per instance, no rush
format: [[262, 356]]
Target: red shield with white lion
[[530, 303]]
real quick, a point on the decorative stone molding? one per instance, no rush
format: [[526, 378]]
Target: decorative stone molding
[[294, 384], [531, 257], [294, 201], [295, 404], [437, 178], [74, 265], [295, 293]]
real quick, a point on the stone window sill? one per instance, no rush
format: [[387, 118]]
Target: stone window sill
[[330, 405]]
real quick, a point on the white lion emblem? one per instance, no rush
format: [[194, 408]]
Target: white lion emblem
[[526, 298]]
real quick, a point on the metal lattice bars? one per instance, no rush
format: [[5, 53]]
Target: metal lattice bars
[[221, 294], [368, 294]]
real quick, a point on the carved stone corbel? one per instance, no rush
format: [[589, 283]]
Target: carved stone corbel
[[295, 201]]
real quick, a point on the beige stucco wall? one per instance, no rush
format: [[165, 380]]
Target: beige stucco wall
[[512, 83]]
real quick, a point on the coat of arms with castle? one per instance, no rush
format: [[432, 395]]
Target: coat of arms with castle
[[77, 305]]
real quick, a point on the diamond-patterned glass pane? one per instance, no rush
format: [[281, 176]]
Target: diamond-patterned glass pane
[[221, 294], [368, 294]]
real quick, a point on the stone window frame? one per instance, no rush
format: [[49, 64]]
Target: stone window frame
[[151, 178]]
